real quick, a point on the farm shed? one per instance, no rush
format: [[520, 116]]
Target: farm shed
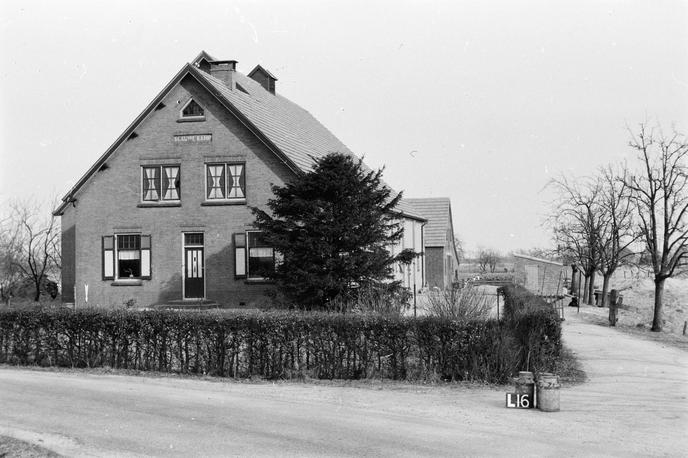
[[539, 276]]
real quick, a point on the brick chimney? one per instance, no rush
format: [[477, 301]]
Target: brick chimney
[[224, 70]]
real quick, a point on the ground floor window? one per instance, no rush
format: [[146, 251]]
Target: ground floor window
[[254, 257], [126, 256]]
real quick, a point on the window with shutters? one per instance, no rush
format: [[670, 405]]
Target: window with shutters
[[253, 257], [126, 256], [225, 182], [261, 256], [160, 183]]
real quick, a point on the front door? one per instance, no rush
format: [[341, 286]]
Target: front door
[[194, 282]]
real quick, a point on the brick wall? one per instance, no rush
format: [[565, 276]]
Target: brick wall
[[107, 205], [68, 246], [434, 263]]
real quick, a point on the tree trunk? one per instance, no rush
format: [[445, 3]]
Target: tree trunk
[[38, 292], [605, 287], [591, 288], [574, 282], [586, 299], [659, 293]]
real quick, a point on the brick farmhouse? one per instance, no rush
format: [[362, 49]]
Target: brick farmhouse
[[163, 215]]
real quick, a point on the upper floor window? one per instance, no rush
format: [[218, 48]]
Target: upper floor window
[[225, 181], [161, 183], [192, 110]]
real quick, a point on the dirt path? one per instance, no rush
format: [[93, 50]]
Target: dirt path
[[634, 404]]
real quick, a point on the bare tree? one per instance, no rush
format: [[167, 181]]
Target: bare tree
[[37, 243], [575, 219], [660, 195], [458, 243], [10, 274], [617, 230], [488, 259], [494, 258], [482, 259]]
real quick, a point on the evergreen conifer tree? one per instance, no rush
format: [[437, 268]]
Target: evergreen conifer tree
[[332, 229]]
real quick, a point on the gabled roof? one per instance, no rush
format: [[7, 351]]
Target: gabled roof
[[437, 210], [292, 129], [289, 131], [264, 70], [406, 209], [203, 55]]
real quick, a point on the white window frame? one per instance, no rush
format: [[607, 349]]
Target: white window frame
[[191, 118], [227, 188], [145, 256], [161, 168], [248, 258]]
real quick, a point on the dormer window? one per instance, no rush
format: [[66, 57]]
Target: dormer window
[[192, 111]]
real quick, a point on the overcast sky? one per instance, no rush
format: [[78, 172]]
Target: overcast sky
[[483, 102]]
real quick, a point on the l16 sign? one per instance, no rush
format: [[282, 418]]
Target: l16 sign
[[518, 401]]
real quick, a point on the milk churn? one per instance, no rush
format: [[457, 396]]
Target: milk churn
[[525, 384], [548, 392]]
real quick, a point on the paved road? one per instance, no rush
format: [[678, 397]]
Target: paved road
[[635, 404]]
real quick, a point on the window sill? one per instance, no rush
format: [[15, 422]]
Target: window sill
[[159, 204], [212, 203], [127, 282], [192, 119], [259, 281]]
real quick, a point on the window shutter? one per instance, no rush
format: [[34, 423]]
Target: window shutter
[[156, 174], [242, 180], [165, 179], [170, 183], [178, 183], [108, 257], [240, 255], [208, 181], [223, 186], [146, 256]]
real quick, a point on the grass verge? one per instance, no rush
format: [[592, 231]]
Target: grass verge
[[11, 447]]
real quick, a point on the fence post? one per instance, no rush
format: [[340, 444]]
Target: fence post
[[613, 298]]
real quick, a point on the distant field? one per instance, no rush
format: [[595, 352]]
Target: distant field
[[472, 267]]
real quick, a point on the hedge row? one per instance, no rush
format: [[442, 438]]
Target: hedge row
[[277, 344], [535, 325]]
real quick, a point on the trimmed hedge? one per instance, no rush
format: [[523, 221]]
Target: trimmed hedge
[[273, 344], [535, 325]]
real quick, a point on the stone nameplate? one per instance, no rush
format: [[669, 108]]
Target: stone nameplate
[[194, 138]]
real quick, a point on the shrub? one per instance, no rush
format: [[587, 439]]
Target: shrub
[[463, 304], [536, 327], [277, 344], [383, 299]]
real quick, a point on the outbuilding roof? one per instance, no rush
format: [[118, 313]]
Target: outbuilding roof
[[437, 210]]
